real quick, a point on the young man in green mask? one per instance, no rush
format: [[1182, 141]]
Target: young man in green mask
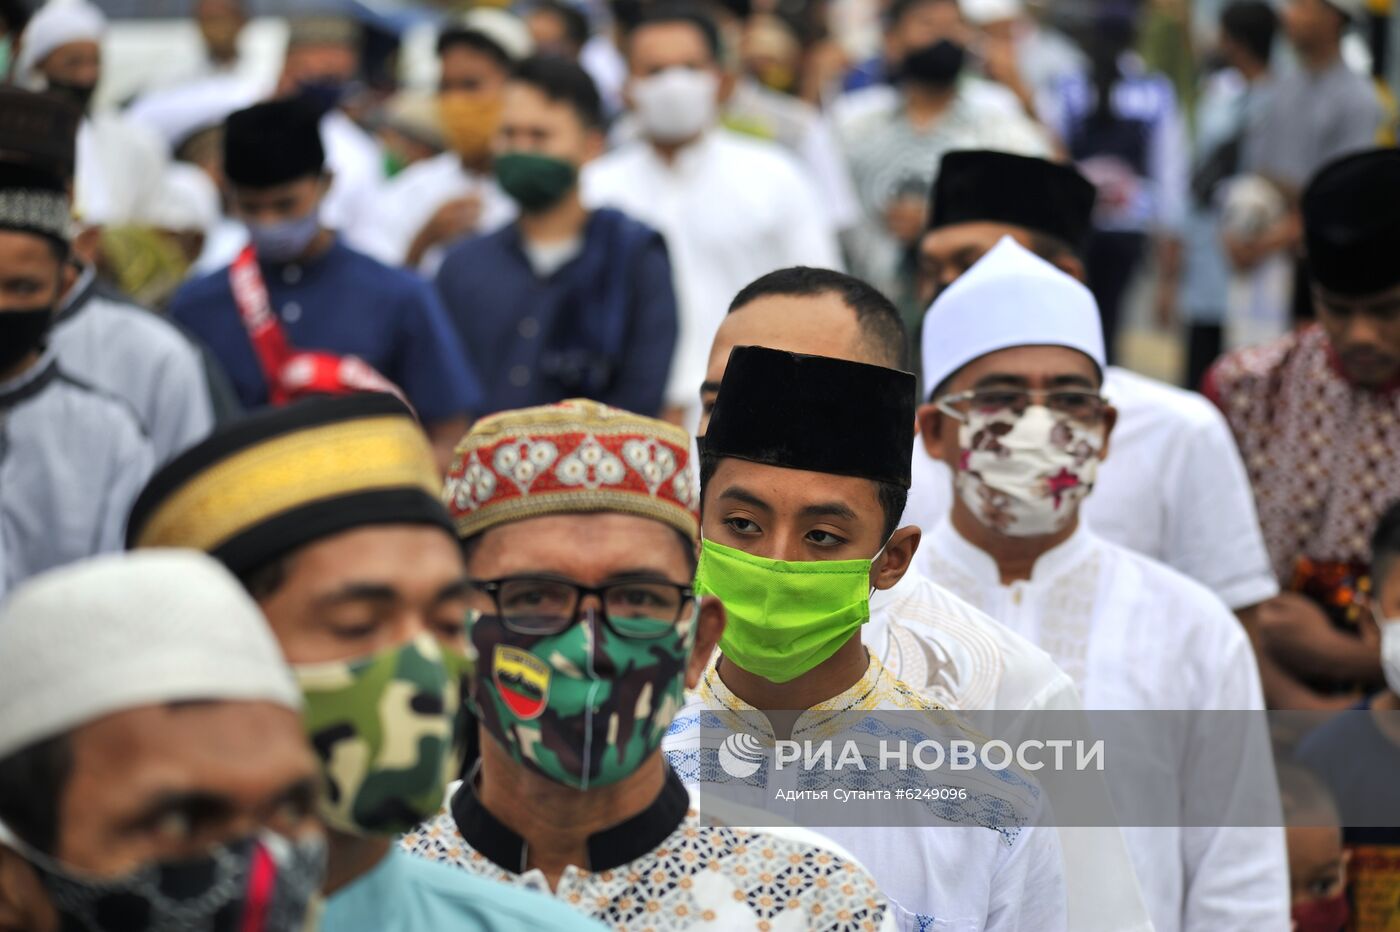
[[800, 526], [327, 512], [579, 527], [582, 300]]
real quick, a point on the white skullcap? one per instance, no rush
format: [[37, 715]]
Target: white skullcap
[[130, 630], [177, 113], [1011, 297], [982, 12], [57, 23], [507, 30], [188, 201]]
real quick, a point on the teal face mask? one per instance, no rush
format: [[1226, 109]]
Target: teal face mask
[[784, 618]]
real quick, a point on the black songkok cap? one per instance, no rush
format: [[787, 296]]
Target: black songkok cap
[[273, 143], [287, 477], [39, 131], [814, 413], [997, 187], [1351, 221]]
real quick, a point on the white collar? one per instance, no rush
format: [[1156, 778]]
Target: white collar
[[1051, 565]]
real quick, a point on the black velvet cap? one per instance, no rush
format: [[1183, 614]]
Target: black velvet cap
[[814, 413], [997, 187], [273, 143], [287, 477], [39, 131], [1351, 222]]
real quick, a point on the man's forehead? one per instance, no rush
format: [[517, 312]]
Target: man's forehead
[[788, 491], [957, 236], [1033, 363], [585, 546], [669, 39], [818, 325]]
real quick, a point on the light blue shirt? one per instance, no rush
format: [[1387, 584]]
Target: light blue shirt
[[409, 894]]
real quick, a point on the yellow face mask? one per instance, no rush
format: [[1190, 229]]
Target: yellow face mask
[[469, 123]]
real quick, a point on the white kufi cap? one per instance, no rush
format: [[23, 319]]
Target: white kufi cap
[[57, 23], [126, 631], [1011, 297]]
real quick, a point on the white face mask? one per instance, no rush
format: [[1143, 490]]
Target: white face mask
[[676, 104], [1025, 477], [1390, 652]]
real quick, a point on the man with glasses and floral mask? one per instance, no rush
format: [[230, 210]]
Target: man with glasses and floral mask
[[579, 528], [327, 511], [800, 526], [1015, 350], [153, 772]]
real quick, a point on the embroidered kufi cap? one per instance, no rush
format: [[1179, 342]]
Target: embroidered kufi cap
[[574, 457]]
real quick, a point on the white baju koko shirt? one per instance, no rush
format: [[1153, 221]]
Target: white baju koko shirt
[[943, 648], [731, 209], [1174, 488], [1136, 635], [967, 873]]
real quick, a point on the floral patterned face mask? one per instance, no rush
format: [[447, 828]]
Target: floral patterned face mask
[[1025, 476]]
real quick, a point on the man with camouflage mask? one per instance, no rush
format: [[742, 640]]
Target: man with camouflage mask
[[579, 528], [327, 511]]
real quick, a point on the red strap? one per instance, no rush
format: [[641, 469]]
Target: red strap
[[255, 309]]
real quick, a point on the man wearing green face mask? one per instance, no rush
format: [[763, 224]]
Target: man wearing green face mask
[[578, 521], [804, 474], [327, 511], [564, 302]]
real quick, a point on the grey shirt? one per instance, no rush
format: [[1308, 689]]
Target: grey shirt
[[72, 461], [1311, 119], [143, 359]]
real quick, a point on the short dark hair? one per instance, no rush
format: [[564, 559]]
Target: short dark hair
[[465, 37], [1251, 24], [32, 781], [575, 22], [1385, 547], [899, 8], [563, 82], [666, 13], [892, 497], [262, 581], [881, 328]]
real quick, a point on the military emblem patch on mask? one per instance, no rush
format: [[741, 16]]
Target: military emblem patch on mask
[[522, 680]]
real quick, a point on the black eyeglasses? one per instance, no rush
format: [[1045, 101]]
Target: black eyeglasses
[[541, 605]]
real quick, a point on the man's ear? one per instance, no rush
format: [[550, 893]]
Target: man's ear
[[708, 628], [931, 423], [595, 143], [898, 557], [1071, 265], [1110, 418], [24, 904]]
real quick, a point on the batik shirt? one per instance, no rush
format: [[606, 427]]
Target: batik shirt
[[982, 866], [663, 871], [1320, 453]]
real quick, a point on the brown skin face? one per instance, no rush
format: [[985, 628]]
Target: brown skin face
[[471, 71], [1317, 865], [1312, 25], [220, 22], [819, 325], [76, 63], [279, 203], [551, 34], [31, 276], [169, 782], [1364, 331], [531, 122], [948, 252], [924, 24], [318, 62], [368, 590]]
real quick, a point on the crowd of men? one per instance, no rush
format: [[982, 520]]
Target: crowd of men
[[399, 487]]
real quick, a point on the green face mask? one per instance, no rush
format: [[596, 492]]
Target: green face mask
[[385, 730], [534, 181], [784, 618]]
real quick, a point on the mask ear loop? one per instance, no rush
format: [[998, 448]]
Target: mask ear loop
[[877, 556]]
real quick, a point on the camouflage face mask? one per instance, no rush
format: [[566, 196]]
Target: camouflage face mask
[[385, 729], [583, 707]]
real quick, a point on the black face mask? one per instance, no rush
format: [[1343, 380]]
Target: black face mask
[[935, 65], [79, 95], [22, 332]]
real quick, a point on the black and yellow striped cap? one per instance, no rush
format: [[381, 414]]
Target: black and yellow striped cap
[[286, 477]]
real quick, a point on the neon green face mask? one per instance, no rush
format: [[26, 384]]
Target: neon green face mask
[[784, 618]]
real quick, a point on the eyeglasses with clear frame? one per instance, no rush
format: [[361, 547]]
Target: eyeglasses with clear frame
[[545, 605], [1078, 404]]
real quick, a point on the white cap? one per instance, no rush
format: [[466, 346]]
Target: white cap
[[57, 23], [982, 12], [1353, 10], [505, 29], [1011, 297], [125, 631], [188, 201], [177, 113]]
